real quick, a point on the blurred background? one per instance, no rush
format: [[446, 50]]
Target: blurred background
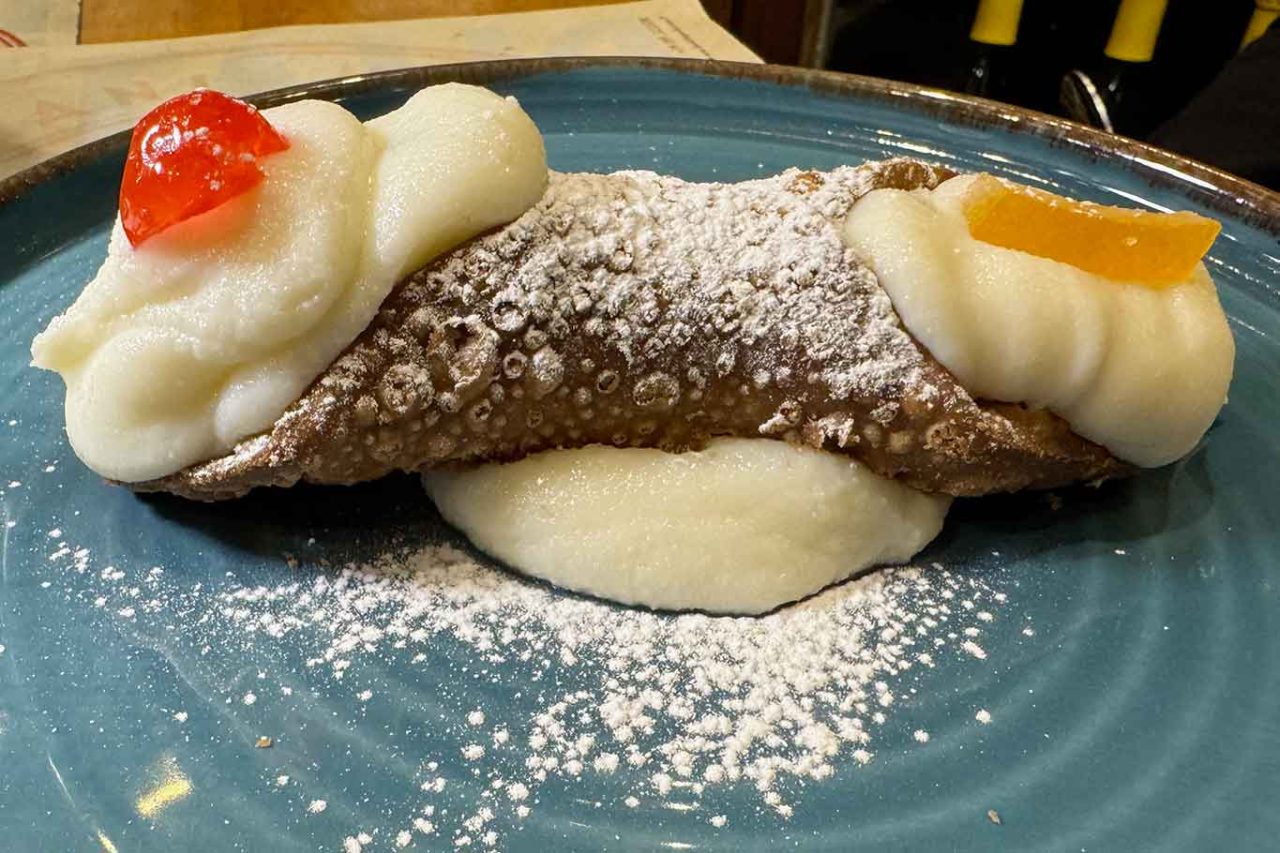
[[1197, 76], [1146, 58]]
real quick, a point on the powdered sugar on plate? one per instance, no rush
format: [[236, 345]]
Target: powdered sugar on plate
[[678, 708]]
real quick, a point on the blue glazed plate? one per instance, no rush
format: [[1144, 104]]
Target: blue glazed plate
[[1109, 678]]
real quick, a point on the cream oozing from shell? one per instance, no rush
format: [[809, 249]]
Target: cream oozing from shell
[[1139, 370], [742, 526], [205, 333]]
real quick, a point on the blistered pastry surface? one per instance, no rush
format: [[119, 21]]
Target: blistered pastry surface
[[639, 310]]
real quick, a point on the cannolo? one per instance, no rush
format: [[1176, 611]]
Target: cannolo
[[420, 292]]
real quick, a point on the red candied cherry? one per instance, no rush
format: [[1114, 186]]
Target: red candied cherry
[[189, 155]]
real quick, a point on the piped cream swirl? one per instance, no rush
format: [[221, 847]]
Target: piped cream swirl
[[1141, 371], [206, 333]]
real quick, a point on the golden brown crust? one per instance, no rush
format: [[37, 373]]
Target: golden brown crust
[[637, 310]]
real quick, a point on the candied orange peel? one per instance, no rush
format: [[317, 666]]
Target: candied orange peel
[[1137, 246]]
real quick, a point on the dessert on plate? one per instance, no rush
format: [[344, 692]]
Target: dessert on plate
[[711, 395]]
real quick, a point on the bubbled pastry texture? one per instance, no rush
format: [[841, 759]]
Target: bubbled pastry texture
[[635, 309]]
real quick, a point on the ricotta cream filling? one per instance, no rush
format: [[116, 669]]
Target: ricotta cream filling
[[1141, 371], [204, 334], [740, 527]]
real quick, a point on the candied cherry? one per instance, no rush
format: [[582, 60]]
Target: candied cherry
[[189, 155]]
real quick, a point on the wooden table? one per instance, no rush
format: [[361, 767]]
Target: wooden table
[[130, 20], [790, 32]]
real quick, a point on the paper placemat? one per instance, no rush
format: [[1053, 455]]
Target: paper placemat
[[59, 96]]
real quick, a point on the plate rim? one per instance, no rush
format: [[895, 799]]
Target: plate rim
[[1219, 190], [101, 148]]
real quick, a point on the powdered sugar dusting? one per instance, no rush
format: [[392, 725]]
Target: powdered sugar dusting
[[673, 707], [765, 280], [641, 310]]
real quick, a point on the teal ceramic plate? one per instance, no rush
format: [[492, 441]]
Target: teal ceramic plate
[[1096, 670]]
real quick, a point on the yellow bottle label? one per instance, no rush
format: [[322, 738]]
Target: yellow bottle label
[[1133, 35], [1264, 14], [997, 22]]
